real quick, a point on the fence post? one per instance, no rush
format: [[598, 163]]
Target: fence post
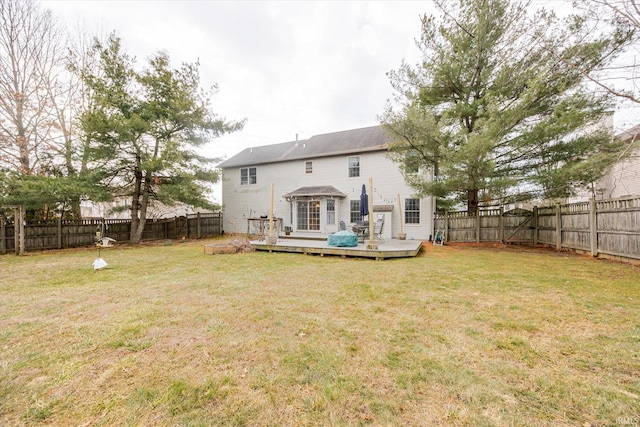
[[60, 233], [3, 236], [21, 229], [478, 226], [501, 225], [446, 226], [535, 225], [16, 231], [593, 227], [199, 227], [558, 227]]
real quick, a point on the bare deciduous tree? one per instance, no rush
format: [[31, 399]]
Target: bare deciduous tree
[[31, 58], [621, 78]]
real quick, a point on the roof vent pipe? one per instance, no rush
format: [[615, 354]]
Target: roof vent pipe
[[296, 137]]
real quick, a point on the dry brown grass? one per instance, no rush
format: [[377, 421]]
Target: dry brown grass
[[457, 336]]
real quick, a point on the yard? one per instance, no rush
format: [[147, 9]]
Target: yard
[[469, 336]]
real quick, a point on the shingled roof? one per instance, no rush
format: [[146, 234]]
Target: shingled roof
[[630, 134], [318, 190], [371, 138]]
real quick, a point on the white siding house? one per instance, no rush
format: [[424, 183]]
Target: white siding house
[[624, 177], [318, 183]]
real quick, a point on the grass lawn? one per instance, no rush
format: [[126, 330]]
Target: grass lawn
[[467, 336]]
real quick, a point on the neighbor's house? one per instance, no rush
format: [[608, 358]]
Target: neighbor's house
[[623, 179], [120, 208], [318, 183]]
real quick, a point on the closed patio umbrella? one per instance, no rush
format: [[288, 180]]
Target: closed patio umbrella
[[364, 202]]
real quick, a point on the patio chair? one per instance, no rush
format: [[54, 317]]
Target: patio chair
[[377, 230], [438, 239]]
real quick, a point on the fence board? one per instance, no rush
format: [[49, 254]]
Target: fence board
[[73, 233], [609, 227]]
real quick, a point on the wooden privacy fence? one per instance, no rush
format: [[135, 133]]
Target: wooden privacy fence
[[73, 233], [606, 227]]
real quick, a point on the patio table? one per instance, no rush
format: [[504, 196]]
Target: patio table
[[362, 231]]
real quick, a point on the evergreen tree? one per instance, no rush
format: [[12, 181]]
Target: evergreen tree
[[46, 196], [492, 113], [145, 128]]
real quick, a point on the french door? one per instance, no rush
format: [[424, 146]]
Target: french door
[[308, 215]]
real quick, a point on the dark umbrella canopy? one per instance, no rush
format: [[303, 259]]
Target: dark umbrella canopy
[[364, 202]]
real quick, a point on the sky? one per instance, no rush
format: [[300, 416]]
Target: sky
[[302, 67], [290, 68]]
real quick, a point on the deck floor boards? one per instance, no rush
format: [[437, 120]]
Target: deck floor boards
[[390, 248]]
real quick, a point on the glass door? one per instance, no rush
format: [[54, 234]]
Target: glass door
[[308, 215]]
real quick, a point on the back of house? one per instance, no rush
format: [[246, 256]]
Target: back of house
[[623, 178], [318, 185]]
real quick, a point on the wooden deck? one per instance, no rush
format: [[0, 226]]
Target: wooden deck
[[390, 248]]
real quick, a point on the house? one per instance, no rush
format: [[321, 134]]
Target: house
[[120, 208], [318, 184], [623, 179]]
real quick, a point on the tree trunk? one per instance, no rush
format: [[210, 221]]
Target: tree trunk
[[135, 203], [75, 204], [135, 218], [71, 170], [472, 201], [23, 147], [137, 236]]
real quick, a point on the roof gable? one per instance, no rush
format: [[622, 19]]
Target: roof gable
[[371, 138], [630, 134]]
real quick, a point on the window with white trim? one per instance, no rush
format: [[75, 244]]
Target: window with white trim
[[354, 167], [308, 167], [248, 176], [412, 211]]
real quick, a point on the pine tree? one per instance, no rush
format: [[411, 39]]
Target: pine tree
[[145, 128], [492, 113]]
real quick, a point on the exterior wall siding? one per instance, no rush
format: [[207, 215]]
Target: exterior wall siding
[[250, 201], [623, 179]]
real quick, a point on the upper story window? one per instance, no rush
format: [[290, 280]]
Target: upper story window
[[412, 211], [248, 176], [354, 166], [308, 167]]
